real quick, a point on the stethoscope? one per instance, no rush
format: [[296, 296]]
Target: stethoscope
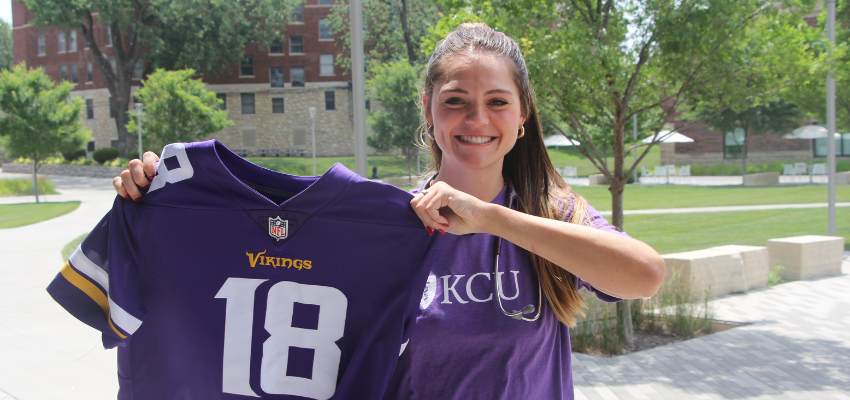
[[516, 314]]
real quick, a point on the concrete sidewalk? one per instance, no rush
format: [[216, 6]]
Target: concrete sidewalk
[[796, 347]]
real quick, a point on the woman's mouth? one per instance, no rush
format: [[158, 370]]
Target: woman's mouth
[[476, 139]]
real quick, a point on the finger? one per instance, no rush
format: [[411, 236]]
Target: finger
[[138, 174], [439, 198], [418, 206], [149, 160], [119, 187], [130, 186]]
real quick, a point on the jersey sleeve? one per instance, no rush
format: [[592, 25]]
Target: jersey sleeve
[[99, 283]]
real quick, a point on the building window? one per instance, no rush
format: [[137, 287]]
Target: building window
[[139, 69], [89, 72], [276, 47], [63, 73], [330, 100], [249, 137], [296, 76], [114, 66], [733, 143], [842, 146], [276, 76], [247, 103], [61, 37], [246, 66], [223, 98], [111, 108], [108, 35], [325, 29], [296, 44], [326, 2], [368, 105], [85, 43], [74, 77], [298, 13], [41, 49], [277, 105], [90, 108], [72, 41], [326, 62]]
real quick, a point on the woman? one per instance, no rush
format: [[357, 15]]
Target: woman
[[484, 330]]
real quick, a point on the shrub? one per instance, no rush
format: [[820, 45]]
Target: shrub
[[105, 154], [72, 155]]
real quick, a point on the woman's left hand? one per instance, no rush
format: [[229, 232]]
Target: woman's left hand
[[445, 209]]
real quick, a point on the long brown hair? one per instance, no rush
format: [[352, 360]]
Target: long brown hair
[[540, 189]]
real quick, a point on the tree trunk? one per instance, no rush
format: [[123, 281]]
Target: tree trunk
[[744, 157], [618, 184], [405, 30], [126, 141], [35, 179]]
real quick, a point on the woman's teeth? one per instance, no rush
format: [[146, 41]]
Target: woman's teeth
[[476, 139]]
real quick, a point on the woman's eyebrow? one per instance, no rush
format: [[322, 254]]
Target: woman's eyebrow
[[489, 92]]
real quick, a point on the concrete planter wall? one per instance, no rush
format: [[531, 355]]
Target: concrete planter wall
[[93, 171]]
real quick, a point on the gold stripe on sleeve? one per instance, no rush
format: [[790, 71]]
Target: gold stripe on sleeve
[[86, 287], [121, 335], [90, 290]]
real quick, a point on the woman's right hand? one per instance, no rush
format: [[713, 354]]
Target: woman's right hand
[[139, 174]]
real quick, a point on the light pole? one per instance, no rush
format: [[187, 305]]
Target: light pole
[[313, 123], [139, 120], [358, 86], [830, 117]]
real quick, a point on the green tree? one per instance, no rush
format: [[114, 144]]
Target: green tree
[[392, 30], [810, 92], [7, 54], [177, 108], [597, 64], [396, 84], [773, 116], [40, 119], [206, 35]]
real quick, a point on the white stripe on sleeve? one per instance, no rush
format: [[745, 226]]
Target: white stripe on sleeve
[[89, 269], [123, 319]]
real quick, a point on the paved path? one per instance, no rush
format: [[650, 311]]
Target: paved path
[[45, 353], [797, 346]]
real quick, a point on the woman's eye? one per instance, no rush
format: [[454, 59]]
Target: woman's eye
[[498, 102], [454, 100]]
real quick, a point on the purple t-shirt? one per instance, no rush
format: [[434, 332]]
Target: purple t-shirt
[[220, 288], [464, 347]]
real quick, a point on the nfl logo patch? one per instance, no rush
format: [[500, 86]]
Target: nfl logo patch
[[278, 228]]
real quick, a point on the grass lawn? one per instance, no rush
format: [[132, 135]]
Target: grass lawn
[[72, 245], [23, 187], [388, 165], [570, 157], [15, 215], [662, 196], [673, 233]]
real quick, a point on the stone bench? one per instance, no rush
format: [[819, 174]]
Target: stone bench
[[761, 179], [597, 180], [806, 257], [719, 270]]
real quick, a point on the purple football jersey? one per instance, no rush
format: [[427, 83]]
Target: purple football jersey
[[233, 281]]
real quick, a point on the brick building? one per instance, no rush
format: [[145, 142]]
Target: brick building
[[267, 95]]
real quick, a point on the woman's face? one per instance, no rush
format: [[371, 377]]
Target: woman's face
[[475, 111]]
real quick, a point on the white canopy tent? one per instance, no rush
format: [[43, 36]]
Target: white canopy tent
[[558, 141], [810, 132], [668, 137]]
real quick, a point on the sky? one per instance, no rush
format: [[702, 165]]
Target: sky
[[6, 10]]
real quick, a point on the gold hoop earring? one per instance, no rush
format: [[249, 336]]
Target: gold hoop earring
[[521, 131]]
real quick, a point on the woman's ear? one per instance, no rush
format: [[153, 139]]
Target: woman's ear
[[427, 108]]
